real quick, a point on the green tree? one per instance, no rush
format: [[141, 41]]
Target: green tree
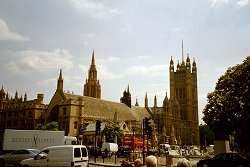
[[228, 106], [111, 130], [49, 126], [206, 135]]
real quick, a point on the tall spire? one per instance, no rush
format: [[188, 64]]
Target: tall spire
[[92, 87], [93, 58], [182, 51], [146, 100], [60, 75], [60, 81]]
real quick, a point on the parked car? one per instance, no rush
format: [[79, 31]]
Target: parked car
[[15, 157], [64, 155], [123, 151], [225, 160], [92, 152]]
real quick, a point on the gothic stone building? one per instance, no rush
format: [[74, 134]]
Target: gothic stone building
[[175, 121], [19, 113], [74, 113]]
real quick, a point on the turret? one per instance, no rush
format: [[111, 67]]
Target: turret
[[25, 96], [40, 98], [126, 99], [188, 65], [2, 93], [16, 95], [136, 103], [171, 67], [194, 69], [155, 101]]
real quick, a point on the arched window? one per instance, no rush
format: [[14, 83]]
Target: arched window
[[75, 125]]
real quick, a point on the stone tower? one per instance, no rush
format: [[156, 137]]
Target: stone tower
[[183, 88], [92, 87], [126, 99]]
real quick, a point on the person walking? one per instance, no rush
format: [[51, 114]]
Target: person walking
[[126, 164], [151, 161], [183, 163], [138, 163]]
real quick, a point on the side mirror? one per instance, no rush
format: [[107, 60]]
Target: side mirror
[[35, 157]]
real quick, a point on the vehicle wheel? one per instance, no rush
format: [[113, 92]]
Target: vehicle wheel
[[2, 164]]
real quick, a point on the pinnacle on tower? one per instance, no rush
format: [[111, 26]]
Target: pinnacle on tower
[[146, 100], [155, 101], [93, 58], [182, 52], [171, 61]]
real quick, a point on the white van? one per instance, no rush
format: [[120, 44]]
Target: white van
[[164, 148], [65, 155], [111, 147], [70, 140]]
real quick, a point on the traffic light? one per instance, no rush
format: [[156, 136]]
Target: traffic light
[[98, 127], [149, 131], [147, 125]]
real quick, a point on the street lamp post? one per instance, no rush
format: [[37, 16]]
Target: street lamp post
[[133, 145]]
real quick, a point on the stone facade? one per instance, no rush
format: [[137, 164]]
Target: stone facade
[[183, 88], [19, 113]]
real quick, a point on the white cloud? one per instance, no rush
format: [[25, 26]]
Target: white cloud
[[105, 74], [108, 60], [98, 10], [218, 3], [153, 71], [23, 62], [113, 59], [127, 28], [7, 35], [242, 3], [47, 82], [82, 67], [141, 58]]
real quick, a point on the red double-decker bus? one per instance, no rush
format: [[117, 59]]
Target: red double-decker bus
[[136, 144]]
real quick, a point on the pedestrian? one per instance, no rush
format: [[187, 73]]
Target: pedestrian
[[151, 161], [126, 164], [183, 163], [138, 163], [106, 152]]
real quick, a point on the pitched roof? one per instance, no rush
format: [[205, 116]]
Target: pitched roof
[[94, 107], [139, 112]]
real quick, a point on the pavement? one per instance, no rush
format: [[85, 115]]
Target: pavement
[[112, 162]]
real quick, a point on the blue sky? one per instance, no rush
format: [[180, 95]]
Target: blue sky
[[133, 42]]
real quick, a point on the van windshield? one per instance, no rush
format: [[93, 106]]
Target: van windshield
[[77, 152], [84, 152]]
